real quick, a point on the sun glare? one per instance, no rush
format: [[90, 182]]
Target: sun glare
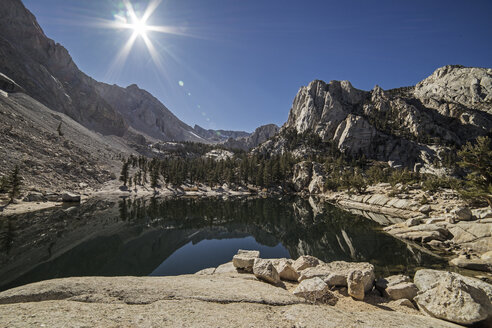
[[139, 27]]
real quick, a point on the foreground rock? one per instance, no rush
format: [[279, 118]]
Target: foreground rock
[[285, 269], [336, 273], [304, 262], [397, 287], [452, 299], [182, 301], [315, 290], [245, 260], [264, 270], [424, 279]]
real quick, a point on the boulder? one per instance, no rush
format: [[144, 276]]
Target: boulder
[[472, 264], [425, 278], [355, 284], [35, 197], [397, 287], [70, 198], [452, 299], [285, 269], [336, 273], [245, 259], [304, 262], [264, 270], [314, 290], [463, 214]]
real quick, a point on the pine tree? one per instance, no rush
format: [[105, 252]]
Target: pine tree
[[60, 133], [14, 184], [124, 173], [154, 177], [476, 159]]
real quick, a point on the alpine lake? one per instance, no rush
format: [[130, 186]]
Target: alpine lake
[[173, 236]]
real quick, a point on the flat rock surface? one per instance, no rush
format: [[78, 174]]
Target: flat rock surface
[[182, 301]]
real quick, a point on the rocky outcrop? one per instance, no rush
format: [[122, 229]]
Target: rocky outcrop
[[260, 135], [405, 126], [468, 87]]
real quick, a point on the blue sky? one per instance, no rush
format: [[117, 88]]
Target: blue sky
[[242, 62]]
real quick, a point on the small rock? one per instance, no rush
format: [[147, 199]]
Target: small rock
[[245, 259], [70, 198], [463, 214], [264, 270], [406, 290], [304, 262], [355, 285], [450, 219], [285, 269], [404, 302], [412, 222], [315, 290], [426, 209], [435, 243], [83, 185], [397, 287]]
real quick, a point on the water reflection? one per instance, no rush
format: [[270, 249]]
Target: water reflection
[[176, 236]]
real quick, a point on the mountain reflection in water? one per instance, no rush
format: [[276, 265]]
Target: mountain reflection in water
[[154, 236]]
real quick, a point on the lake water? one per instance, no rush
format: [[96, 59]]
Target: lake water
[[140, 237]]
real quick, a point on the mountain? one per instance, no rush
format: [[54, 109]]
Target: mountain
[[47, 73], [406, 126], [219, 135], [145, 114], [261, 134]]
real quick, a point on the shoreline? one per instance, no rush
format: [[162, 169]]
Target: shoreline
[[434, 223]]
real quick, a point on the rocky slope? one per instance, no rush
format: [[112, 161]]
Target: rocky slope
[[261, 134], [47, 160], [145, 114], [406, 126]]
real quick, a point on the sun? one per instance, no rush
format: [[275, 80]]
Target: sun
[[139, 27]]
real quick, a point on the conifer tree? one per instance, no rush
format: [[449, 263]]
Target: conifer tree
[[14, 184], [124, 173], [60, 133]]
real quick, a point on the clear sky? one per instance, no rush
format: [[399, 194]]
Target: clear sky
[[241, 63]]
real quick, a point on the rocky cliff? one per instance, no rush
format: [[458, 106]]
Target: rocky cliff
[[405, 126], [261, 134]]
